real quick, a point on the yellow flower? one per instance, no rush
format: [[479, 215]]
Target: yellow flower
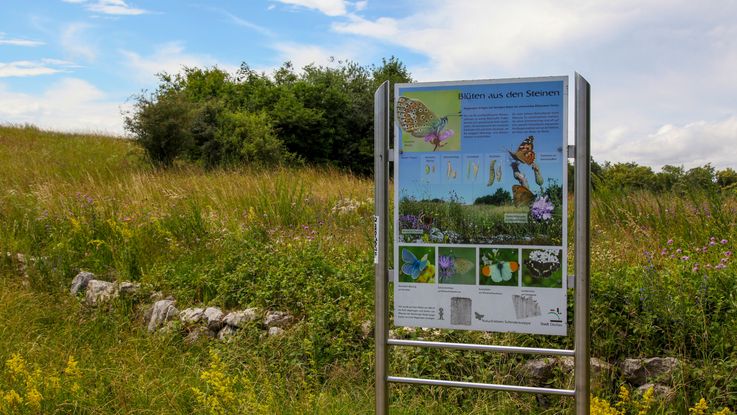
[[601, 407], [700, 407], [72, 370], [12, 398], [34, 398], [624, 396], [16, 365], [724, 411], [644, 404]]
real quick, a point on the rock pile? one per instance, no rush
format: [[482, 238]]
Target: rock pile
[[195, 322]]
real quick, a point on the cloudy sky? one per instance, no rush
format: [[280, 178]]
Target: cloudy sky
[[663, 73]]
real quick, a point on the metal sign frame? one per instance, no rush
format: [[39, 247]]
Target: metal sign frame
[[581, 153]]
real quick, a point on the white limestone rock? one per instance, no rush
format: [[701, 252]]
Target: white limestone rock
[[80, 281], [161, 312]]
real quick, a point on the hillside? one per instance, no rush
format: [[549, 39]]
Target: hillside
[[298, 240]]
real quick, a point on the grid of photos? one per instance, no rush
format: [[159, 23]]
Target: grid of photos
[[505, 267]]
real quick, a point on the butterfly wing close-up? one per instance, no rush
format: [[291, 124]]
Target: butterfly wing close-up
[[417, 119], [412, 266], [541, 269], [525, 152], [522, 195]]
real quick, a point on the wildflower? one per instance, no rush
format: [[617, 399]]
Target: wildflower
[[723, 241], [700, 408], [728, 253], [72, 370], [712, 243], [695, 268], [16, 365], [644, 404], [670, 242], [679, 250], [12, 398], [663, 251], [446, 264], [542, 209], [624, 397], [34, 398], [684, 258]]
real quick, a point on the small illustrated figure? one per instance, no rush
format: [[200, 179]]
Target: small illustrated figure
[[441, 313]]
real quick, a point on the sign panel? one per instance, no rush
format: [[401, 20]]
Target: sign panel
[[480, 220]]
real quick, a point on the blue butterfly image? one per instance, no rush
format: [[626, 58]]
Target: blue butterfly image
[[413, 266]]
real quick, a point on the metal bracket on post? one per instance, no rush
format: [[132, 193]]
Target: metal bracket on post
[[381, 210], [582, 262]]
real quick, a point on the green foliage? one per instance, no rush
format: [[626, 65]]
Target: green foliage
[[498, 198], [299, 240], [321, 115], [160, 123]]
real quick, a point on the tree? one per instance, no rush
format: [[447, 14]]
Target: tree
[[727, 178], [498, 198], [160, 123]]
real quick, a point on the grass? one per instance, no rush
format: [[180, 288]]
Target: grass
[[299, 239]]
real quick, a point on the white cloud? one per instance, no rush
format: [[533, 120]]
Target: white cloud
[[302, 55], [650, 63], [34, 68], [481, 38], [19, 42], [170, 58], [328, 7], [69, 105], [693, 144], [76, 44], [111, 7]]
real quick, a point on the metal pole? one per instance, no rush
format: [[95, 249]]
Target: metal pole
[[381, 196], [582, 262]]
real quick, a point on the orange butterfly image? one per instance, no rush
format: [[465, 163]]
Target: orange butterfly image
[[525, 152]]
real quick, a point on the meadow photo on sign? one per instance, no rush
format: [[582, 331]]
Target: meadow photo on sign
[[481, 163]]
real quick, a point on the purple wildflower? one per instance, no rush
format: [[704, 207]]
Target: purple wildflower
[[724, 241], [720, 266], [542, 209], [684, 258], [679, 250], [695, 268], [712, 243], [728, 253], [670, 242], [446, 264]]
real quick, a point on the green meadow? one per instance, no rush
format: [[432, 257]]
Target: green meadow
[[299, 239]]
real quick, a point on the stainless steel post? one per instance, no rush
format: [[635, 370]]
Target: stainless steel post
[[381, 209], [582, 262]]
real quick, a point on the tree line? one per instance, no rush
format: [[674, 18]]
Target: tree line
[[319, 115]]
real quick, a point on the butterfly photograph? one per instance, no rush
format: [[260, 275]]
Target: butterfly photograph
[[542, 268], [498, 266], [525, 151], [457, 265], [429, 121], [417, 264]]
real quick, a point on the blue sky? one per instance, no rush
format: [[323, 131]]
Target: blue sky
[[663, 73]]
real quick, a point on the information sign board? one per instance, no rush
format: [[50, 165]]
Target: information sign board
[[480, 221]]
